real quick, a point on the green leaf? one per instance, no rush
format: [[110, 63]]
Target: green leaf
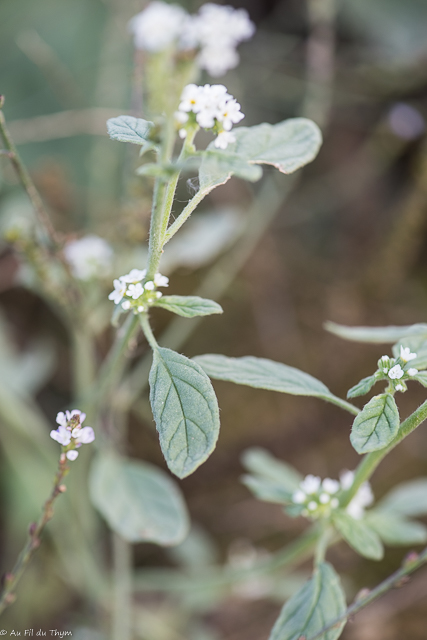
[[189, 306], [359, 535], [185, 409], [376, 425], [320, 601], [362, 387], [287, 146], [421, 377], [130, 129], [378, 335], [408, 499], [395, 530], [138, 500], [272, 480], [264, 374], [154, 170], [261, 462]]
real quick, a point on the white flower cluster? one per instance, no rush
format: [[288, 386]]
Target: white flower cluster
[[70, 432], [211, 107], [395, 371], [319, 497], [137, 296], [88, 257], [215, 31]]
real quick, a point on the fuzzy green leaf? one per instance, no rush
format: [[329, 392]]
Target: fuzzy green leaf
[[287, 146], [139, 501], [189, 306], [130, 129], [362, 387], [408, 499], [359, 535], [421, 377], [376, 425], [395, 530], [271, 480], [264, 374], [378, 335], [185, 409], [320, 601]]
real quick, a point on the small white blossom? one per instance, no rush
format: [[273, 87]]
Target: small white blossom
[[84, 436], [330, 486], [161, 281], [149, 286], [217, 60], [363, 498], [324, 498], [312, 506], [193, 98], [400, 387], [126, 305], [212, 106], [61, 435], [299, 497], [346, 479], [223, 139], [72, 455], [229, 113], [158, 26], [136, 275], [119, 291], [412, 371], [88, 257], [396, 372], [310, 484], [406, 355], [135, 290], [182, 133]]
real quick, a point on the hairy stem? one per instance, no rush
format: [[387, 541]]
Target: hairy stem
[[145, 324], [12, 578]]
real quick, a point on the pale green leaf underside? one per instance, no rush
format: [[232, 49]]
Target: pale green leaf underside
[[288, 145], [409, 499], [376, 425], [396, 530], [139, 501], [267, 490], [319, 602], [358, 535], [185, 409], [260, 462], [362, 387], [264, 374], [130, 129], [189, 306], [379, 335]]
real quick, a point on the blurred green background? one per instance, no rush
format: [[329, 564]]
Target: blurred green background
[[348, 245]]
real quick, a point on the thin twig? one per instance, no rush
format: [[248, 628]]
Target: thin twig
[[11, 579]]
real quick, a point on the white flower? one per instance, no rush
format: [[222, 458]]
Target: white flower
[[126, 305], [346, 479], [83, 436], [64, 418], [72, 455], [396, 372], [412, 371], [324, 498], [157, 27], [229, 113], [363, 498], [89, 257], [223, 139], [181, 117], [149, 285], [312, 506], [217, 60], [193, 98], [330, 486], [310, 484], [299, 497], [119, 291], [400, 387], [135, 290], [61, 419], [61, 435], [406, 355], [161, 281], [136, 275]]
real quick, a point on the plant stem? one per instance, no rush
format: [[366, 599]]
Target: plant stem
[[184, 215], [409, 567], [122, 576], [27, 182], [371, 460], [339, 402], [12, 578], [145, 324]]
